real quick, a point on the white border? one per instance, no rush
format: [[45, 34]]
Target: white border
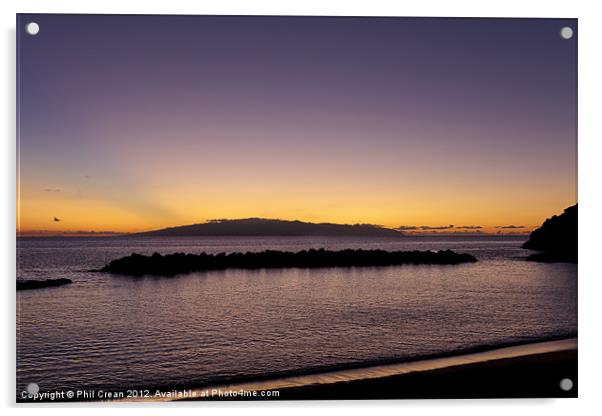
[[590, 210]]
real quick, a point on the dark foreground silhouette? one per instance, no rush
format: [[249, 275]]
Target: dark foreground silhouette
[[172, 264], [40, 284], [556, 239], [254, 227]]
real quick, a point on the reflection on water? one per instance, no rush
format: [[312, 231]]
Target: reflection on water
[[118, 332]]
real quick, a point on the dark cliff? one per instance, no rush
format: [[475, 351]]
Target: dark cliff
[[556, 239]]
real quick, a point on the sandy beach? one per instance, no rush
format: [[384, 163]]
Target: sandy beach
[[529, 370]]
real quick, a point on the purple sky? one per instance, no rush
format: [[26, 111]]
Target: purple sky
[[138, 122]]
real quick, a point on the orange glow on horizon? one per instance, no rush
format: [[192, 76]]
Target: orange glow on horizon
[[37, 209]]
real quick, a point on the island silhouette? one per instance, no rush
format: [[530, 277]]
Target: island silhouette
[[254, 227]]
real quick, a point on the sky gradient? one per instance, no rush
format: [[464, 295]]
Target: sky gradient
[[130, 123]]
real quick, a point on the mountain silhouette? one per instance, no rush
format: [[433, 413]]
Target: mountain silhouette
[[556, 238], [268, 227]]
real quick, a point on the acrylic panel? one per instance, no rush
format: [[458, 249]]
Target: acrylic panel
[[282, 207]]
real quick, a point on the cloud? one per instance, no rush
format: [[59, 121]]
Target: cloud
[[52, 190], [44, 233], [514, 227], [469, 227], [79, 232], [424, 227], [442, 227], [407, 227]]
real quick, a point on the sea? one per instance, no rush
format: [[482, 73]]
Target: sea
[[117, 333]]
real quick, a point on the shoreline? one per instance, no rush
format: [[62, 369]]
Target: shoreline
[[525, 370], [528, 370]]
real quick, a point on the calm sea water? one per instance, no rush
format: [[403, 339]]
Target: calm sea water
[[116, 332]]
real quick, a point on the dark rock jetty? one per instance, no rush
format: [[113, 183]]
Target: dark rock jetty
[[40, 284], [177, 263]]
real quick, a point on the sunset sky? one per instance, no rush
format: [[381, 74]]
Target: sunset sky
[[130, 123]]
